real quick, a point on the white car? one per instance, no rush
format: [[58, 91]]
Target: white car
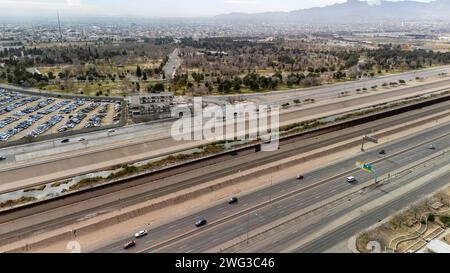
[[141, 233], [351, 179]]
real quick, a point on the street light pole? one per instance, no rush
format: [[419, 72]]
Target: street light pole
[[248, 226], [270, 190]]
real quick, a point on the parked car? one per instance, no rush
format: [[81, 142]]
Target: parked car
[[129, 244], [201, 223], [141, 234], [233, 200]]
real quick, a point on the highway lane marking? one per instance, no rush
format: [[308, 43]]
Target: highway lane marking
[[293, 193]]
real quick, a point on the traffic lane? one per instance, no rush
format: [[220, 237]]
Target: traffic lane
[[324, 219], [373, 95], [121, 134], [346, 231], [364, 83], [82, 145], [277, 190], [213, 238], [137, 198], [411, 158], [352, 163]]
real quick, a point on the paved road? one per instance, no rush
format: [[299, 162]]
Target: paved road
[[344, 232], [331, 91], [233, 165], [52, 160], [170, 69], [212, 236]]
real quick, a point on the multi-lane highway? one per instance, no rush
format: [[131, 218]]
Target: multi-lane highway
[[331, 91], [52, 217], [182, 236], [214, 235], [51, 160]]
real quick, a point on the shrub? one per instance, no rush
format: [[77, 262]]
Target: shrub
[[445, 219], [430, 217]]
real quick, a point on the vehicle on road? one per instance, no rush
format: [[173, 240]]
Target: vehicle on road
[[81, 139], [201, 223], [300, 177], [2, 158], [65, 140], [432, 147], [129, 244], [382, 152], [233, 200], [141, 234], [111, 131], [351, 179]]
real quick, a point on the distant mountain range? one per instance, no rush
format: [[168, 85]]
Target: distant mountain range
[[353, 11]]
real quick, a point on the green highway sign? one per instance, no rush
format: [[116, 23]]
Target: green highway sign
[[366, 167]]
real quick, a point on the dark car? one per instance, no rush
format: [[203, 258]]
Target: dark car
[[2, 158], [300, 177], [382, 152], [65, 140], [130, 244], [201, 223], [233, 200]]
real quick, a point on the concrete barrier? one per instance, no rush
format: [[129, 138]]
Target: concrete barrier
[[209, 160]]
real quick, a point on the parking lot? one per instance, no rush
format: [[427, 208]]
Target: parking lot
[[32, 116]]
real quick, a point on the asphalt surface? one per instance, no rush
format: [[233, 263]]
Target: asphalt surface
[[52, 160], [213, 235], [331, 90], [159, 129], [345, 231], [234, 165]]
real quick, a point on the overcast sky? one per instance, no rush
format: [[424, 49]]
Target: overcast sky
[[153, 8]]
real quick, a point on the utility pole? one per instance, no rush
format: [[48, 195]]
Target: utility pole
[[270, 192]]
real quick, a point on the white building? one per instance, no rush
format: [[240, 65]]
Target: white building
[[152, 106], [438, 246]]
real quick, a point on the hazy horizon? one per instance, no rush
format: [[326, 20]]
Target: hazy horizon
[[154, 8]]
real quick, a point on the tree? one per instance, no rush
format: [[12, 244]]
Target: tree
[[51, 76], [144, 76], [138, 72], [159, 87]]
